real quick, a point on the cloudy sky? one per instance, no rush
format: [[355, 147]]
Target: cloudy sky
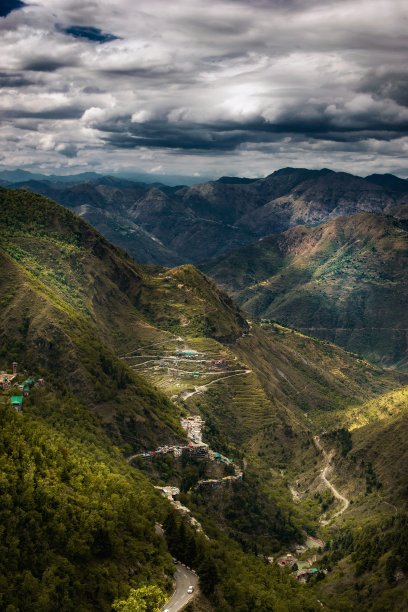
[[204, 87]]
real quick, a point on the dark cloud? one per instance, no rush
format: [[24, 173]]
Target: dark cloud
[[68, 150], [89, 33], [14, 79], [392, 85], [230, 135], [92, 90], [70, 112], [43, 64], [7, 6]]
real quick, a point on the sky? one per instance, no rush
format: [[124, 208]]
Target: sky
[[204, 88]]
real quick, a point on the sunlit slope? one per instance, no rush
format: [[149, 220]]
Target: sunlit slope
[[345, 281]]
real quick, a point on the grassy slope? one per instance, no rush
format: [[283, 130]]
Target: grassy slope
[[71, 302], [339, 281]]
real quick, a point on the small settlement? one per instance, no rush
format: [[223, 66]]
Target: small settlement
[[15, 386], [302, 569]]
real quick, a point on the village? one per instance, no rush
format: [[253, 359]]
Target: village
[[302, 566], [193, 425], [172, 364], [301, 563], [15, 386]]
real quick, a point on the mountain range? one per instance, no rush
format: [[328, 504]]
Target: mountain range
[[107, 335], [156, 223], [252, 237]]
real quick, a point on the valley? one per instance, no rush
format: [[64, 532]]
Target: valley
[[246, 440]]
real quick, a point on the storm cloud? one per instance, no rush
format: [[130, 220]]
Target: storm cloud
[[221, 87]]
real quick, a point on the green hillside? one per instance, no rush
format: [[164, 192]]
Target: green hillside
[[77, 524], [344, 281], [70, 306], [126, 350]]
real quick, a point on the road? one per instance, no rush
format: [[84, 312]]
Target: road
[[186, 395], [323, 475], [184, 578]]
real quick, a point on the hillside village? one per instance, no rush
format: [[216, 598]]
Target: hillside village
[[15, 386]]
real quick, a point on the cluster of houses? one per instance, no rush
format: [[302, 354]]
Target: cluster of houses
[[199, 450], [193, 425], [213, 483], [303, 570], [187, 354], [8, 381]]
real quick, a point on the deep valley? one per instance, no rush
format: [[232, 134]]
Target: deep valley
[[270, 457]]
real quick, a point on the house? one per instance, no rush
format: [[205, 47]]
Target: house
[[303, 575], [188, 354], [196, 450], [5, 380], [17, 402], [212, 482]]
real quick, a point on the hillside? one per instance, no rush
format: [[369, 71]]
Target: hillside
[[125, 351], [71, 304], [344, 281], [157, 223]]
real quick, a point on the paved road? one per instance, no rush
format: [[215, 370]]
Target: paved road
[[323, 474], [184, 578]]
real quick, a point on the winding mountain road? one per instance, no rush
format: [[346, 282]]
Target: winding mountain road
[[184, 578], [323, 475]]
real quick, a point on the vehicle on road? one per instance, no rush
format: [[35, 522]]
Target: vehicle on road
[[190, 590]]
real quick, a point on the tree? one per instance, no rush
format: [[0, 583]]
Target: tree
[[144, 599]]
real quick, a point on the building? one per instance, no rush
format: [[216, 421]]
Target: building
[[17, 402], [196, 450], [6, 379], [187, 354], [221, 458], [212, 483]]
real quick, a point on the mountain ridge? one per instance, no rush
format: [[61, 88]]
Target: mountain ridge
[[338, 281], [170, 225]]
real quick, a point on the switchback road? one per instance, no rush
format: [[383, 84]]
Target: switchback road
[[323, 475]]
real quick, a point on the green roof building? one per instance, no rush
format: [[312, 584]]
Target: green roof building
[[17, 402]]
